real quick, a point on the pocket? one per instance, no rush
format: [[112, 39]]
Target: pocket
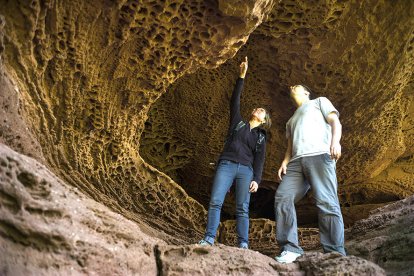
[[224, 162], [327, 159], [248, 170]]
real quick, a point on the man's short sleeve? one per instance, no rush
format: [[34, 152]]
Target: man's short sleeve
[[327, 107], [288, 134]]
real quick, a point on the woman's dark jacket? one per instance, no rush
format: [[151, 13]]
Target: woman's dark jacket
[[240, 145]]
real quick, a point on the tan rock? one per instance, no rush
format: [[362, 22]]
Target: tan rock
[[127, 101], [50, 228], [386, 237]]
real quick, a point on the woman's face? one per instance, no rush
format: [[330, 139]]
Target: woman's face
[[259, 113]]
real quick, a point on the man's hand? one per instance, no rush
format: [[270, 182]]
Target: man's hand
[[253, 187], [335, 151], [243, 68], [282, 171], [336, 127]]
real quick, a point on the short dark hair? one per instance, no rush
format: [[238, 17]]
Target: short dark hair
[[307, 89]]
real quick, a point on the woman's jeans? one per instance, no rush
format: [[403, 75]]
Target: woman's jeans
[[228, 171], [319, 173]]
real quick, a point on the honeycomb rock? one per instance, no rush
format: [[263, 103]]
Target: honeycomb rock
[[48, 227], [262, 236], [358, 54], [13, 128], [223, 260], [317, 263], [87, 74], [127, 101], [386, 237]]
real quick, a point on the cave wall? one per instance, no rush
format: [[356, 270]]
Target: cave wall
[[87, 74], [358, 54], [48, 227], [88, 88], [82, 78]]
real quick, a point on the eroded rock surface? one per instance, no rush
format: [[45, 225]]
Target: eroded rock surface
[[49, 228], [358, 54], [386, 237], [220, 260], [262, 236], [78, 80], [87, 73]]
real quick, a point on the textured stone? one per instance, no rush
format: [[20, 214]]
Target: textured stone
[[317, 263], [262, 236], [50, 228], [358, 54], [223, 260], [127, 101], [213, 260], [13, 127], [88, 72], [386, 237]]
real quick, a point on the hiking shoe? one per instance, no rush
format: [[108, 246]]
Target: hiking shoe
[[287, 257], [204, 242], [243, 245]]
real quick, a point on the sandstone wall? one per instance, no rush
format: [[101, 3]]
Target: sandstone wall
[[87, 74], [358, 54], [126, 101], [50, 228]]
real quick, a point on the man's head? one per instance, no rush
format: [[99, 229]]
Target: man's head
[[300, 90], [300, 93]]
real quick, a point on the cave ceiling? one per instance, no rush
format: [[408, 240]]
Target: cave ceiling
[[356, 56], [128, 100]]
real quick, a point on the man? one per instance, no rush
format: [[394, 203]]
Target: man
[[313, 134]]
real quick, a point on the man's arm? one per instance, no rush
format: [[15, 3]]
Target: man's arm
[[288, 155], [336, 127]]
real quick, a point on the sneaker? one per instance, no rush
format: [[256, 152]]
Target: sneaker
[[203, 242], [243, 245], [287, 257]]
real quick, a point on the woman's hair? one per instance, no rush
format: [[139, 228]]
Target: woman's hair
[[268, 121]]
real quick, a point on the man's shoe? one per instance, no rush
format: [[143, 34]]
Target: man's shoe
[[204, 242], [287, 257], [243, 245]]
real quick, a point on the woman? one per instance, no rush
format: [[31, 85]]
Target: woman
[[241, 160]]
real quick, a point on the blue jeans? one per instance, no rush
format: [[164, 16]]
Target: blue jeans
[[319, 173], [228, 171]]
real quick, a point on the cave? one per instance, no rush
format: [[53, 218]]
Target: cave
[[114, 114]]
